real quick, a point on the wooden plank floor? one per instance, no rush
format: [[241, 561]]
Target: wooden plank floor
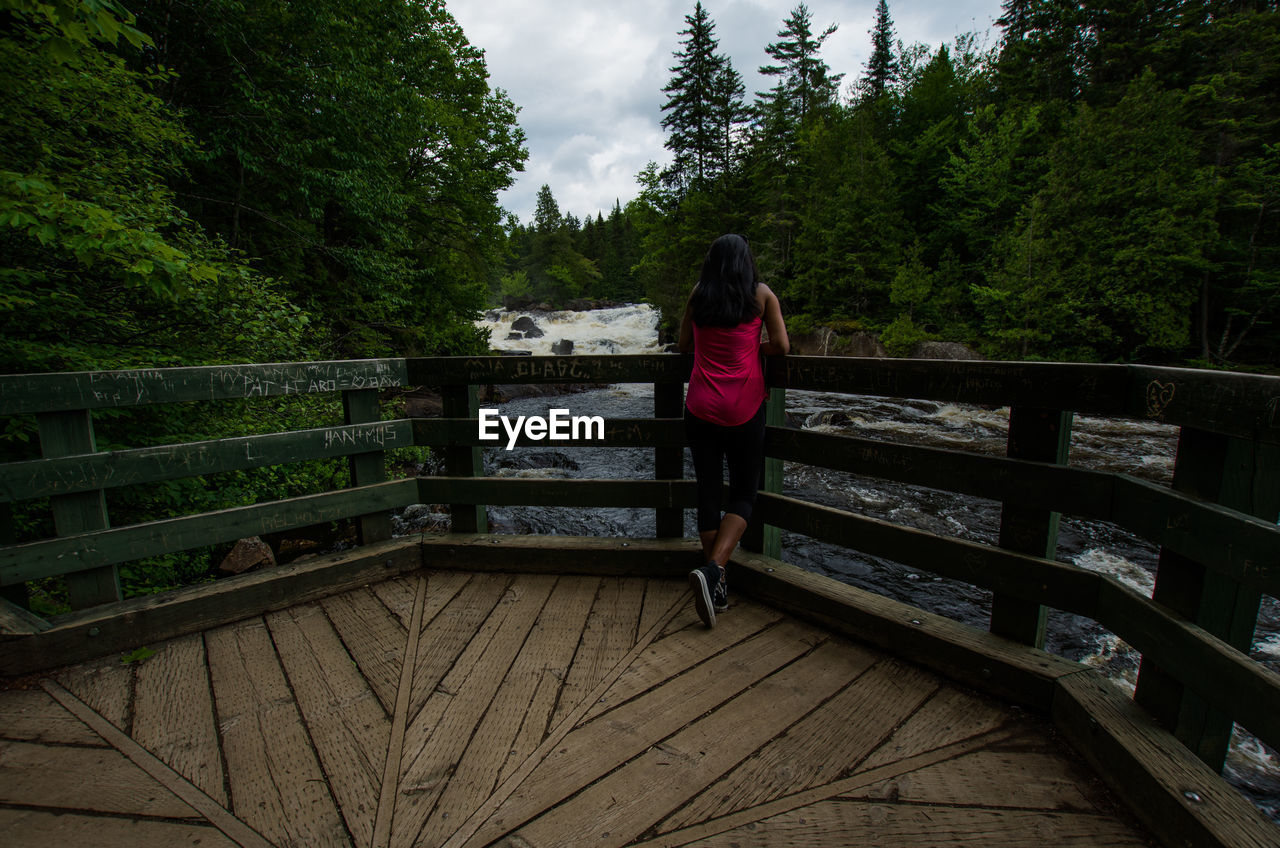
[[466, 710]]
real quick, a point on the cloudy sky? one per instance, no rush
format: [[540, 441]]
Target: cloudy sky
[[588, 74]]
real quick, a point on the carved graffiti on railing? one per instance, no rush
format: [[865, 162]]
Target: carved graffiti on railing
[[570, 369], [1159, 396], [92, 389], [318, 377], [372, 436]]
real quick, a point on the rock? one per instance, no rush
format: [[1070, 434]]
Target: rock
[[423, 403], [416, 512], [823, 341], [521, 461], [526, 325], [514, 337], [943, 350], [564, 347], [248, 553], [290, 549], [514, 352]]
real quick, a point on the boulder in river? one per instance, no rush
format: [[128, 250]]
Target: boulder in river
[[564, 347], [526, 325]]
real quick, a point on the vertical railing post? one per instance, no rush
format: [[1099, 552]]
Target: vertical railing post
[[464, 460], [1041, 435], [66, 434], [360, 406], [668, 462], [1238, 474], [760, 537], [17, 592]]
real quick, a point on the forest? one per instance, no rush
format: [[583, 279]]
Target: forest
[[198, 183], [1103, 184], [223, 182]]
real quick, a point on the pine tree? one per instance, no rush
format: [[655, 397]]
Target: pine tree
[[546, 214], [731, 115], [1043, 55], [804, 85], [1016, 20], [882, 67], [703, 105]]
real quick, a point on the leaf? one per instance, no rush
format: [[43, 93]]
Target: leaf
[[62, 50], [137, 655]]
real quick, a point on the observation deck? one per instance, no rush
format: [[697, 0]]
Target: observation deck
[[469, 689]]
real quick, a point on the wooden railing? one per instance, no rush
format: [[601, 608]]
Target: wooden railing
[[1216, 527]]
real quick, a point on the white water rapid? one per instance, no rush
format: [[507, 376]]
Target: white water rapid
[[621, 329]]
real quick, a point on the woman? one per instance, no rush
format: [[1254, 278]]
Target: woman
[[724, 407]]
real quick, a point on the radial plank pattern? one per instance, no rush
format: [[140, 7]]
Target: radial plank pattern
[[528, 710]]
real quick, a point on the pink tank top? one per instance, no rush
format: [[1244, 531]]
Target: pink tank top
[[727, 384]]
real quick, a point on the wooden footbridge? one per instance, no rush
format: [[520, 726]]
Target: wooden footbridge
[[469, 689]]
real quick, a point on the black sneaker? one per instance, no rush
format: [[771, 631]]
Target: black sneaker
[[720, 592], [702, 580]]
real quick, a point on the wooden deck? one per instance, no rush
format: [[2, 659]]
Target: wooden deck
[[469, 709]]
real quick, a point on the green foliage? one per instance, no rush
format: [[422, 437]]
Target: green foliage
[[99, 268], [514, 285], [1115, 242], [356, 150], [902, 335], [1102, 185], [70, 25], [552, 267], [1234, 103], [851, 226], [235, 182], [137, 655]]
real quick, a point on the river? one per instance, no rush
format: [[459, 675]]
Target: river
[[1141, 449]]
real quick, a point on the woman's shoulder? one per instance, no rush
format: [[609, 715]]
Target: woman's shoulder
[[764, 294]]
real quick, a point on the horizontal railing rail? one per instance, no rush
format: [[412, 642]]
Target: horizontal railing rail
[[99, 548], [1216, 526], [33, 393], [1164, 517], [39, 478], [1232, 404]]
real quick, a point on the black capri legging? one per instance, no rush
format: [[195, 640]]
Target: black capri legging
[[711, 444]]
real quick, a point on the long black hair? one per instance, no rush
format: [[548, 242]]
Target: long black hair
[[726, 292]]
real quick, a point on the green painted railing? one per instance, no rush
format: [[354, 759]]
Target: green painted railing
[[1216, 527]]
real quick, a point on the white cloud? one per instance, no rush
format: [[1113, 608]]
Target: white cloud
[[588, 74]]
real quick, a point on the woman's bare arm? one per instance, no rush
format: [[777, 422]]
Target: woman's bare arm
[[779, 343], [685, 344]]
